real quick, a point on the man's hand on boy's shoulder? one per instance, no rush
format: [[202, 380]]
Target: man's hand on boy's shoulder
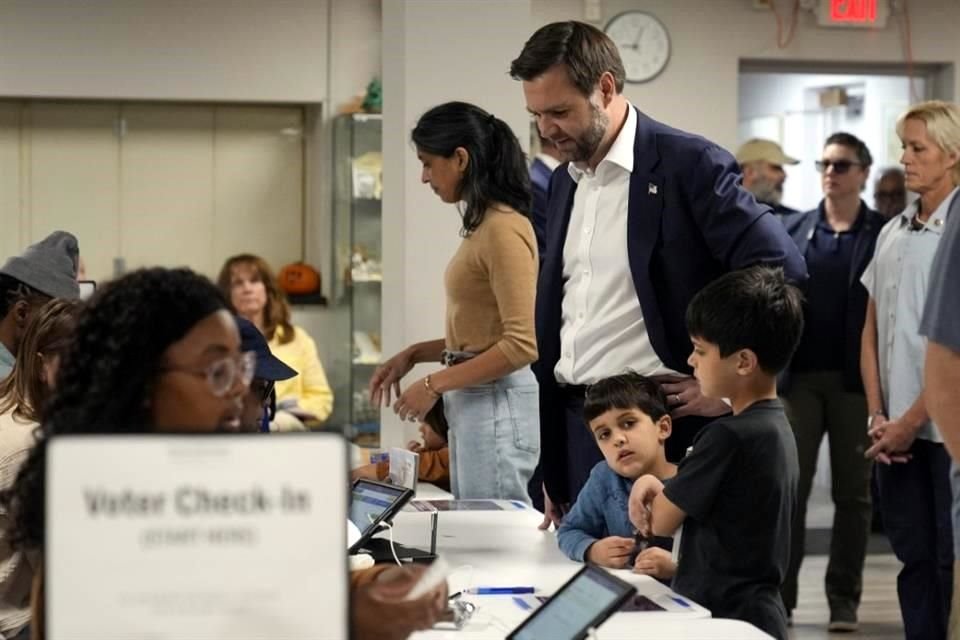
[[685, 399], [655, 562], [644, 490], [612, 552]]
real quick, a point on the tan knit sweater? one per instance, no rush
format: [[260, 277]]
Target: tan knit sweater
[[491, 285]]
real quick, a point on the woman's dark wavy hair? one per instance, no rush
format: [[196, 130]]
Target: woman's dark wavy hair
[[108, 372], [497, 168]]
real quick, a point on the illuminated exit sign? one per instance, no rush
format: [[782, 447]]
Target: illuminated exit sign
[[869, 14]]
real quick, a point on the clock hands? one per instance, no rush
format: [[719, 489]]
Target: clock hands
[[635, 45]]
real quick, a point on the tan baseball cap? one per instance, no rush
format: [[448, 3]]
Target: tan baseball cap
[[759, 149]]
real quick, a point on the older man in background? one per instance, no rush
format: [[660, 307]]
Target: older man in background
[[761, 162], [890, 192]]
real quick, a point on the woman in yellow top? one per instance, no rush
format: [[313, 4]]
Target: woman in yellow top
[[252, 290], [472, 158]]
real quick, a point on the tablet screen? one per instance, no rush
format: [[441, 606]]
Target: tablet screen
[[371, 501], [584, 602]]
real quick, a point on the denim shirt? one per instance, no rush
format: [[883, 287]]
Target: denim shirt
[[601, 510], [897, 280], [6, 361]]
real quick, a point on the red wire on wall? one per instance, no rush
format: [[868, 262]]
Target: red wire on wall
[[905, 37], [791, 30]]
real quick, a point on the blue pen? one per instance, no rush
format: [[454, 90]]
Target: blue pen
[[492, 591]]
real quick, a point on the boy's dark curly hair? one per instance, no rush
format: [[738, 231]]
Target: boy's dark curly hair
[[105, 380]]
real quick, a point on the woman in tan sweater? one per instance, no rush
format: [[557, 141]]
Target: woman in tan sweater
[[471, 158]]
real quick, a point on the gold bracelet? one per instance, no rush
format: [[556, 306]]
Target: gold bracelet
[[426, 384]]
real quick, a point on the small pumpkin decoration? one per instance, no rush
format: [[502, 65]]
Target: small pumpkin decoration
[[299, 279]]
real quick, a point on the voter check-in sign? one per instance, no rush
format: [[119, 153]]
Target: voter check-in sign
[[196, 536]]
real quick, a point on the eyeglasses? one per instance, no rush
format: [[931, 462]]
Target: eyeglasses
[[223, 374], [839, 166]]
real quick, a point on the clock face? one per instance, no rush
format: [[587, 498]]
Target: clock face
[[643, 43]]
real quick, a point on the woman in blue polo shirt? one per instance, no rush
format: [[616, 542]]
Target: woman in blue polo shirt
[[825, 393], [913, 481]]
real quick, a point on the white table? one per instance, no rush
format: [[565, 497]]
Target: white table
[[505, 548]]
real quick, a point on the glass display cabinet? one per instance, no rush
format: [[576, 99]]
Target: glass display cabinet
[[357, 269]]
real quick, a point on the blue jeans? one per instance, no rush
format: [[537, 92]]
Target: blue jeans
[[494, 437]]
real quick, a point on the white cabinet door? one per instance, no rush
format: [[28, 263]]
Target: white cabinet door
[[153, 184], [258, 177], [166, 186], [73, 176], [10, 235]]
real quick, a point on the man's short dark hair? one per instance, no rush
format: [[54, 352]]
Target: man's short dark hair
[[625, 391], [754, 308], [584, 50], [437, 420], [854, 143]]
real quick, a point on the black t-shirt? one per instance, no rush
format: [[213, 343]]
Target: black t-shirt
[[738, 488]]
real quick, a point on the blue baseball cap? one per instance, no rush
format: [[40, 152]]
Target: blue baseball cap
[[269, 366]]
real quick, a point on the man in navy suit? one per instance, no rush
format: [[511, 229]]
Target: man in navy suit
[[640, 218]]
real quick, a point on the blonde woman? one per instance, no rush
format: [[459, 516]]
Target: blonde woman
[[23, 395], [252, 290], [913, 477]]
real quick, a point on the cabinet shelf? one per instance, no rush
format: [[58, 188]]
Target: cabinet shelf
[[357, 228]]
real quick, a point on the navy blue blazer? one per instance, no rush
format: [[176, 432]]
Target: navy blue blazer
[[800, 227], [689, 221], [540, 175]]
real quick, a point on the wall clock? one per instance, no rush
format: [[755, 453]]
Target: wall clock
[[643, 43]]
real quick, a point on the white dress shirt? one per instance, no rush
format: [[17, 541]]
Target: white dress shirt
[[602, 332]]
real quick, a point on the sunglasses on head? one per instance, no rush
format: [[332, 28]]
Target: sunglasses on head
[[839, 166]]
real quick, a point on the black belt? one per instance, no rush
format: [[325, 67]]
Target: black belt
[[574, 390], [450, 358]]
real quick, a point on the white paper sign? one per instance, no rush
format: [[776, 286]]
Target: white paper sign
[[236, 537], [404, 468]]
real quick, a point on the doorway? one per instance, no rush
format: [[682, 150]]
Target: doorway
[[799, 106]]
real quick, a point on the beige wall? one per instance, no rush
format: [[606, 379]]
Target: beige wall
[[223, 50], [698, 89], [295, 51]]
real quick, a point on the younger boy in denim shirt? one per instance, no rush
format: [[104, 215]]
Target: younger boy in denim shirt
[[629, 419], [735, 491]]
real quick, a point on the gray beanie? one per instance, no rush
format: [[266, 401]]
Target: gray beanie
[[49, 266]]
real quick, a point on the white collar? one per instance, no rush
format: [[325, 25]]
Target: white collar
[[620, 152], [939, 217]]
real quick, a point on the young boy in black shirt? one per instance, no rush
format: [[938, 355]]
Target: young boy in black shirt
[[735, 492]]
